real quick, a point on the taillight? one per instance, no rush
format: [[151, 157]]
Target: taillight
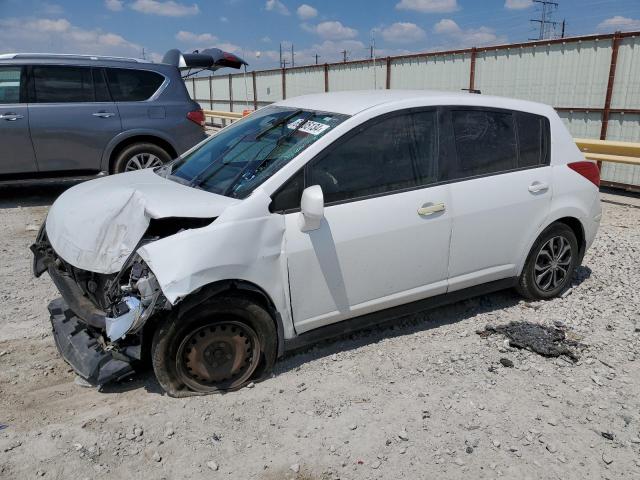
[[197, 116], [588, 170]]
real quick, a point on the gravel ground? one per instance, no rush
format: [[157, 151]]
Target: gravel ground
[[425, 398]]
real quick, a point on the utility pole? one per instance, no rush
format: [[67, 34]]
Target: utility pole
[[317, 56], [293, 63], [281, 64], [547, 26], [344, 55], [144, 57], [564, 21]]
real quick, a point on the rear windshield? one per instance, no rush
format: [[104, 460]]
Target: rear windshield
[[242, 156]]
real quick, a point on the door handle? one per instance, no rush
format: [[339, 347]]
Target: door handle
[[431, 208], [11, 117], [103, 114], [537, 187]]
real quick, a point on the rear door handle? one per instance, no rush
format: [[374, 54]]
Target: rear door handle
[[537, 187], [103, 114], [11, 117], [431, 208]]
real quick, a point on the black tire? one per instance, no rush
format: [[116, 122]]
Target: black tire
[[173, 337], [531, 287], [145, 150]]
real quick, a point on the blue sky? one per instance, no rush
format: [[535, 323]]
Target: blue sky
[[246, 27]]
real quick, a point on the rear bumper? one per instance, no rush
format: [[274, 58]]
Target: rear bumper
[[82, 348]]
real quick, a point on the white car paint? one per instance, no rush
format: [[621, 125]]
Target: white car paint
[[366, 256]]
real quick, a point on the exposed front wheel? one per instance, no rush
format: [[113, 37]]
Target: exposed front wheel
[[219, 346], [551, 263]]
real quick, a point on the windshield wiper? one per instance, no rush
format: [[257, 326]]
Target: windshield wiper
[[277, 124], [266, 158]]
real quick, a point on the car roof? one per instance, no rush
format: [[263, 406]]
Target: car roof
[[78, 59], [354, 102]]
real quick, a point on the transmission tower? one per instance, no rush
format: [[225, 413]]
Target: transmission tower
[[545, 25]]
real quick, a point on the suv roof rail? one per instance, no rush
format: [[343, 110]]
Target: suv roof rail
[[10, 56]]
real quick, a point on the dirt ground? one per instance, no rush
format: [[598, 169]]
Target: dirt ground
[[425, 398]]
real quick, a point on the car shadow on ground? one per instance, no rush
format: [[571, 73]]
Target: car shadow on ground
[[398, 327], [33, 194]]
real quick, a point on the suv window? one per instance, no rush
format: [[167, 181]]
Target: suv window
[[132, 85], [381, 157], [58, 84], [10, 84], [532, 139], [485, 142]]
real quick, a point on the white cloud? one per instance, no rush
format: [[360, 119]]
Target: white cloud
[[306, 12], [47, 8], [61, 36], [114, 5], [167, 8], [619, 23], [224, 19], [195, 38], [403, 32], [428, 6], [517, 4], [471, 37], [266, 39], [276, 6], [331, 30]]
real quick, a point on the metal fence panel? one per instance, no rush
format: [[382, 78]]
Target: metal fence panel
[[269, 86], [561, 75], [446, 72], [626, 89], [625, 128], [303, 81], [243, 90], [202, 88], [357, 76]]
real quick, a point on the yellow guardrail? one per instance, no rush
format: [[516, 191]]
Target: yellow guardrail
[[609, 151], [224, 116]]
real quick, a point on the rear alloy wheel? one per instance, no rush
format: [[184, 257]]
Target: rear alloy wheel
[[551, 263], [139, 156], [217, 346]]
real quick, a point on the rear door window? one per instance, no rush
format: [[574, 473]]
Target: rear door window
[[532, 139], [10, 84], [61, 84], [132, 85], [485, 142]]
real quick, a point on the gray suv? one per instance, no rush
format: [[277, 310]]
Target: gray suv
[[74, 115]]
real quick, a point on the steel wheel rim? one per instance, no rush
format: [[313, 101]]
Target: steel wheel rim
[[142, 160], [218, 356], [553, 263]]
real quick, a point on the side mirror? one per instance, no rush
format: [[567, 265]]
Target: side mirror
[[312, 208]]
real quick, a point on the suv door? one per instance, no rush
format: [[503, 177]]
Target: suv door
[[16, 154], [72, 117], [384, 239], [500, 190]]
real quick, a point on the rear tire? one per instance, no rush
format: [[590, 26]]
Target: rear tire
[[139, 156], [551, 263], [217, 347]]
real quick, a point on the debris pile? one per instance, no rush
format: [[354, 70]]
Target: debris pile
[[548, 341]]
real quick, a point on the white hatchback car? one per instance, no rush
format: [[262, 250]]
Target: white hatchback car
[[310, 218]]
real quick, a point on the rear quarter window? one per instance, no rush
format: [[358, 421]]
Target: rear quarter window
[[132, 85], [10, 84], [533, 143]]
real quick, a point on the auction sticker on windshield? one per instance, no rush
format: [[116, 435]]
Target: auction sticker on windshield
[[314, 128]]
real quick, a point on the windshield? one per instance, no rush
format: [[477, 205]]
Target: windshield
[[241, 157]]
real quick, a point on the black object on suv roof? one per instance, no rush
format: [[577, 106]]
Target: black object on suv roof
[[208, 59]]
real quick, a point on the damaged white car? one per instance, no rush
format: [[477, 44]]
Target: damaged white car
[[307, 219]]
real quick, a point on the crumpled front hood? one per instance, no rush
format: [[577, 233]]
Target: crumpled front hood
[[96, 225]]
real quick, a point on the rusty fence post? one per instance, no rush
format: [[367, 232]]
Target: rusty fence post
[[472, 70], [326, 77], [255, 90], [615, 46], [388, 73], [284, 84], [230, 93], [211, 92]]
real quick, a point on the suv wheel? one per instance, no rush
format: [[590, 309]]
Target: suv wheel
[[551, 263], [139, 156], [217, 347]]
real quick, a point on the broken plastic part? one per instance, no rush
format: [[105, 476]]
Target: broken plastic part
[[118, 327]]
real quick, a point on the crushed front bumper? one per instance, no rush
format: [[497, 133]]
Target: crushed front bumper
[[82, 348]]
